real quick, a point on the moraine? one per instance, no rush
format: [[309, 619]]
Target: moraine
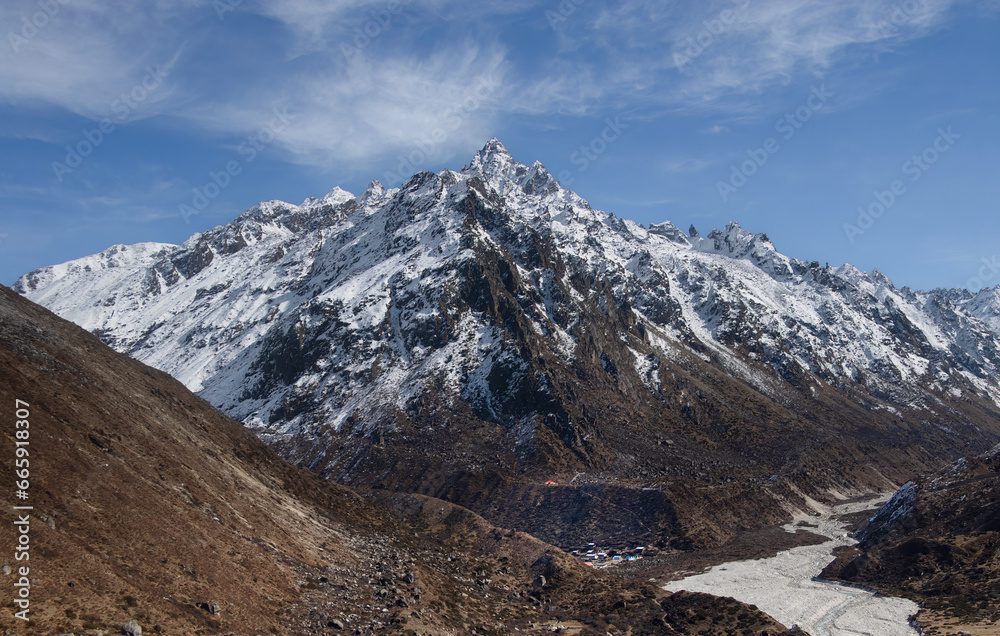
[[785, 586]]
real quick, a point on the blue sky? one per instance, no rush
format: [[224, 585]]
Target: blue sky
[[790, 116]]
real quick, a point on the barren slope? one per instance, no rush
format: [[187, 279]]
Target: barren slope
[[149, 505]]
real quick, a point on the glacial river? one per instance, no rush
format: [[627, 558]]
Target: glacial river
[[783, 586]]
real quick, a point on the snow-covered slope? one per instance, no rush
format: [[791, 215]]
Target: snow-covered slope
[[495, 293], [377, 270], [985, 305]]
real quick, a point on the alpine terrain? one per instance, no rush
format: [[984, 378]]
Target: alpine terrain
[[151, 512], [488, 338]]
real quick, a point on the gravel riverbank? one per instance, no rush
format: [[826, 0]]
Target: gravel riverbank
[[784, 587]]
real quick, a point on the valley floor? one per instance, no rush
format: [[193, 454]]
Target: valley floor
[[785, 587]]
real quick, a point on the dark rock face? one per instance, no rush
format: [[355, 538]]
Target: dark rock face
[[188, 263]]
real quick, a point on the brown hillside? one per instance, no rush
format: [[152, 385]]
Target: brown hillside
[[149, 505]]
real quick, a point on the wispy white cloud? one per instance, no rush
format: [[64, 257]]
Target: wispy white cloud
[[388, 95], [319, 25], [696, 55], [429, 58], [89, 53], [439, 104], [686, 165], [716, 129]]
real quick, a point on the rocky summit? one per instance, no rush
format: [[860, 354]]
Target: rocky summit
[[486, 337]]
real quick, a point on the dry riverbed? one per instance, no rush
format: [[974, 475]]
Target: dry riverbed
[[784, 586]]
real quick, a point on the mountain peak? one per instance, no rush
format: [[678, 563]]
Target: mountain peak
[[671, 232], [493, 162], [732, 240], [881, 279], [494, 147], [498, 168], [335, 197], [338, 195], [375, 194], [487, 299]]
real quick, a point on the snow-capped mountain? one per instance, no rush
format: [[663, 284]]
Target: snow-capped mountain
[[984, 304], [496, 318]]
